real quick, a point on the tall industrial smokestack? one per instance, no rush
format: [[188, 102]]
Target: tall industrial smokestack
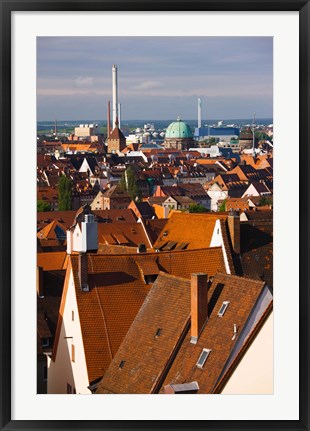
[[114, 94], [253, 148], [199, 112], [119, 116], [109, 119]]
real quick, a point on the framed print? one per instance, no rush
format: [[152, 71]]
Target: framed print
[[238, 69]]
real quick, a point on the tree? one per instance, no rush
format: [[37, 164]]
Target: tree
[[64, 193], [222, 207], [129, 184], [43, 206], [265, 200], [197, 208]]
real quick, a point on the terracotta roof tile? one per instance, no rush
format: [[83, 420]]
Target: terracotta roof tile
[[50, 261], [157, 350], [54, 230], [148, 265], [218, 332], [150, 339], [195, 229], [117, 291], [131, 234]]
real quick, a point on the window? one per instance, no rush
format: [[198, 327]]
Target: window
[[72, 316], [223, 308], [72, 353], [122, 363], [158, 332], [203, 357], [45, 342]]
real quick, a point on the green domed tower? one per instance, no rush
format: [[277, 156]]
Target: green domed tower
[[179, 136]]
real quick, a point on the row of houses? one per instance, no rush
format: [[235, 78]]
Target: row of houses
[[185, 312], [146, 296], [207, 182]]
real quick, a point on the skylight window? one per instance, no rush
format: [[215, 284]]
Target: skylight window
[[203, 357], [122, 363], [158, 332], [223, 308]]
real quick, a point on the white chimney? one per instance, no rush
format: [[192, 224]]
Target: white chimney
[[84, 239], [114, 95], [119, 116], [89, 234], [199, 112]]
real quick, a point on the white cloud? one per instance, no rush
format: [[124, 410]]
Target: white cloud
[[84, 81], [147, 85]]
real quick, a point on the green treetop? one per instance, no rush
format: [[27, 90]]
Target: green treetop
[[64, 193], [129, 184]]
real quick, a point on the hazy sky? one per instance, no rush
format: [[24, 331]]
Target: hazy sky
[[158, 77]]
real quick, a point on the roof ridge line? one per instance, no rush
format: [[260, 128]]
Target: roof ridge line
[[104, 322]]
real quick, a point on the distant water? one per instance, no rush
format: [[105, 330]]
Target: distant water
[[158, 124]]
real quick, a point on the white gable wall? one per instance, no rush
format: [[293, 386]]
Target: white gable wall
[[217, 241], [254, 373], [63, 370], [85, 167], [250, 191]]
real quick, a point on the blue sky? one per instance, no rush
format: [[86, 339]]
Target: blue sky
[[159, 77]]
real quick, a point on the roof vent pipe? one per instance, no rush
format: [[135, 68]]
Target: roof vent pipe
[[235, 331]]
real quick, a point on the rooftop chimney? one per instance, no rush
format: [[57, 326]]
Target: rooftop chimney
[[199, 304], [89, 233], [141, 248], [83, 271], [233, 221]]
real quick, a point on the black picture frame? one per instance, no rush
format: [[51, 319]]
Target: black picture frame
[[7, 7]]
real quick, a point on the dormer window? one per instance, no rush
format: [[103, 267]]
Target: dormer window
[[223, 308], [203, 357]]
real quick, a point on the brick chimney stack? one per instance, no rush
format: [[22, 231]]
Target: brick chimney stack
[[233, 221], [199, 304]]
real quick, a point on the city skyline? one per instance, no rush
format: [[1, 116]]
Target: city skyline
[[159, 77]]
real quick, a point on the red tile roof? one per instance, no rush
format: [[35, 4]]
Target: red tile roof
[[195, 229], [54, 230], [151, 338], [50, 261], [117, 291], [157, 350]]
